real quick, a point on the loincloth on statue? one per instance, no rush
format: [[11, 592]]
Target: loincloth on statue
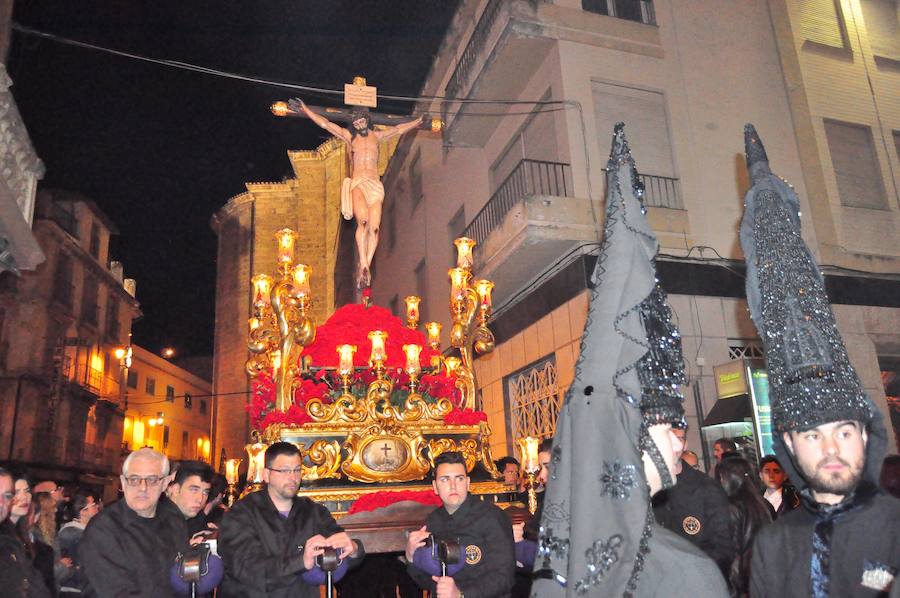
[[372, 189]]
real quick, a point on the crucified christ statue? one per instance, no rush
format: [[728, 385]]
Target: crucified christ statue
[[362, 194]]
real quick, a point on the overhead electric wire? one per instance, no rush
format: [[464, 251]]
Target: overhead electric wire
[[253, 79]]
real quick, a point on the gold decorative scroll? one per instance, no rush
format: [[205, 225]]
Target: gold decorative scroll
[[467, 446], [325, 457]]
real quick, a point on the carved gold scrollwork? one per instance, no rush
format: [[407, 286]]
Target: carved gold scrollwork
[[468, 447], [325, 457], [484, 439], [379, 455], [345, 409]]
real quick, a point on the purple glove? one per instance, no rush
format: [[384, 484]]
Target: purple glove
[[423, 560], [317, 577], [214, 573], [525, 551]]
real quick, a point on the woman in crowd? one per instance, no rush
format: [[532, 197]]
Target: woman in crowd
[[779, 494], [45, 529], [749, 513], [24, 513]]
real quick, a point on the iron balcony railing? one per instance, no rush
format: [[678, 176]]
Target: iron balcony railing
[[529, 177], [473, 50], [659, 191]]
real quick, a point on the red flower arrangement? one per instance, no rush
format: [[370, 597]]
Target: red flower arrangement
[[351, 324], [465, 417], [377, 500]]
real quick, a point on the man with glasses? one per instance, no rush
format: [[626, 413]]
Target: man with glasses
[[18, 579], [129, 548], [270, 539]]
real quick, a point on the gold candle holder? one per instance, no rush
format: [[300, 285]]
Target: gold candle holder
[[378, 355], [464, 258], [528, 452], [451, 364], [262, 287], [345, 365], [412, 311], [232, 475], [459, 280], [413, 367], [484, 288], [286, 238], [256, 463], [302, 274]]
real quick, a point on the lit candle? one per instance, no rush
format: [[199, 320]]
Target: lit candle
[[231, 470], [464, 246], [459, 279], [528, 451], [484, 288], [257, 463], [286, 239], [434, 334], [451, 363], [345, 367], [378, 354], [262, 286], [412, 311], [302, 272], [413, 367]]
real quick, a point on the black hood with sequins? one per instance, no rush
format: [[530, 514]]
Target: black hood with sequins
[[811, 379]]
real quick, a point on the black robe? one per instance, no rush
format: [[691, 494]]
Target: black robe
[[18, 577], [124, 554], [696, 509], [262, 550], [485, 536], [864, 537]]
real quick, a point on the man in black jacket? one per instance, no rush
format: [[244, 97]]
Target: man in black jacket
[[482, 530], [130, 547], [696, 509], [828, 434], [270, 539], [189, 491]]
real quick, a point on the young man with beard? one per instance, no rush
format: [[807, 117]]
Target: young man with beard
[[481, 529], [270, 539], [828, 435]]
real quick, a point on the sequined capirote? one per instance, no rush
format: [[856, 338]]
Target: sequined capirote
[[810, 376]]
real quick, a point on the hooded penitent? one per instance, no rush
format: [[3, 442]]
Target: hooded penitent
[[811, 379], [596, 519]]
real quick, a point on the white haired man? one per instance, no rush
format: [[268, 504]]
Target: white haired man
[[129, 548]]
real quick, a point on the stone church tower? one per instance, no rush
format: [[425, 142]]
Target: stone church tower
[[310, 204]]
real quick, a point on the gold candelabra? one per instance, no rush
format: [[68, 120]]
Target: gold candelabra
[[280, 326], [528, 452], [470, 309]]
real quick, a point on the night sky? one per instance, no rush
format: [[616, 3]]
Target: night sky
[[161, 149]]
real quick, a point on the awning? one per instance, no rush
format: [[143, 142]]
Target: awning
[[725, 411]]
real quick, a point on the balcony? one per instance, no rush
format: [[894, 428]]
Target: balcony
[[510, 41], [660, 191], [531, 224]]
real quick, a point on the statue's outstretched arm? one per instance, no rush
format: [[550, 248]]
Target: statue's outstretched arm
[[323, 122], [399, 129]]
